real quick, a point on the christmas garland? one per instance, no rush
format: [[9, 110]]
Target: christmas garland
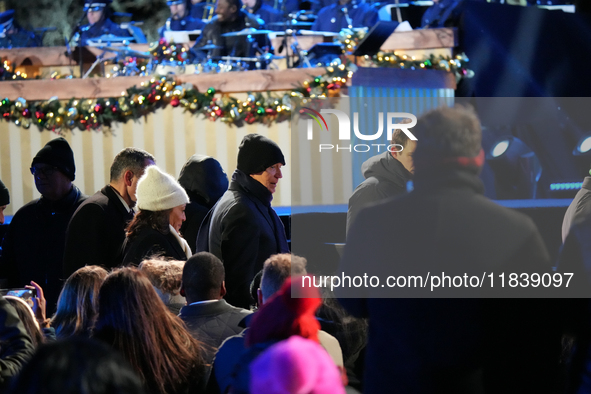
[[158, 92]]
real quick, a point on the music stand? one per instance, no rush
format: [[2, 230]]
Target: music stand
[[375, 38]]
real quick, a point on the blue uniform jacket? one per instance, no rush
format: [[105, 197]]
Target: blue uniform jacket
[[104, 27], [333, 19]]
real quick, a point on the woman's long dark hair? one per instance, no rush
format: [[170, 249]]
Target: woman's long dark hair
[[157, 220], [78, 302], [134, 320]]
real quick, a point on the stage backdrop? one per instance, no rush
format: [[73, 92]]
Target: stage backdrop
[[171, 135]]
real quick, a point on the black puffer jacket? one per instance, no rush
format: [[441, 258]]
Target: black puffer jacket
[[205, 181]]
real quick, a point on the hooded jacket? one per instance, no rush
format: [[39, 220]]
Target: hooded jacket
[[205, 181], [385, 177]]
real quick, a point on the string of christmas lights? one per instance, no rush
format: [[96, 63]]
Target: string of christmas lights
[[159, 91]]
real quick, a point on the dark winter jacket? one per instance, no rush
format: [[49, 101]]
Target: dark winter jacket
[[96, 232], [211, 323], [33, 248], [205, 182], [243, 231], [150, 242], [463, 345], [385, 177], [575, 259], [17, 347]]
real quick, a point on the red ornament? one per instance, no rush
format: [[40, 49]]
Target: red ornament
[[98, 109], [270, 111], [250, 118], [114, 108], [39, 115], [175, 102], [218, 112], [6, 114], [26, 113]]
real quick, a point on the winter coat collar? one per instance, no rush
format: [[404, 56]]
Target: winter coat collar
[[246, 183], [209, 308], [62, 205], [448, 177], [112, 195]]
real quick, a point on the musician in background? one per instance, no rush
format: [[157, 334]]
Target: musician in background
[[230, 18], [14, 36], [268, 14], [180, 18], [345, 13], [99, 23], [200, 8]]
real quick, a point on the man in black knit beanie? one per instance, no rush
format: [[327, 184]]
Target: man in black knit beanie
[[242, 229]]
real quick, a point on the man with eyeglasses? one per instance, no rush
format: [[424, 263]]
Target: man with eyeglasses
[[33, 247]]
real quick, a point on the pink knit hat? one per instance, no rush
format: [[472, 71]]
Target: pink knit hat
[[295, 366]]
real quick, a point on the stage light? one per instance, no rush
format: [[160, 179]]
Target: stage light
[[583, 147], [516, 167], [500, 148]]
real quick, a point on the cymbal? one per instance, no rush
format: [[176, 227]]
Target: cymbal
[[318, 33], [271, 57], [210, 46], [292, 24], [246, 32], [239, 59], [109, 38], [127, 51]]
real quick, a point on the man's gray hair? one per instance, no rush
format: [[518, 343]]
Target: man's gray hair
[[132, 159], [277, 269], [447, 132]]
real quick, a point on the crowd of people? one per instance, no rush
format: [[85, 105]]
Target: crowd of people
[[144, 309]]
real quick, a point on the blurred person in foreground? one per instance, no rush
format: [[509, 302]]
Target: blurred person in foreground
[[17, 347], [470, 344], [74, 366], [133, 320]]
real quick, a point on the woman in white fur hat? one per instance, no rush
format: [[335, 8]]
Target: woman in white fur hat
[[154, 231]]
